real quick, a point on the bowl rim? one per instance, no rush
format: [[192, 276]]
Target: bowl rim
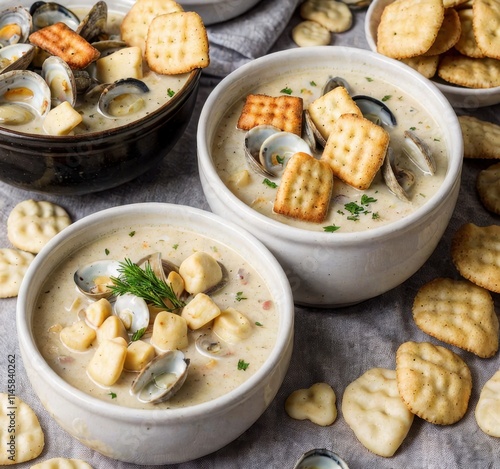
[[446, 88], [230, 83], [284, 337], [171, 105]]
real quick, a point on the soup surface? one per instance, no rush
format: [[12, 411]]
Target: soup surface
[[60, 304], [350, 209]]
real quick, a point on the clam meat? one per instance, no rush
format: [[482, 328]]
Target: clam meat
[[61, 80], [210, 345], [122, 98], [15, 25], [161, 378], [93, 279], [23, 93], [16, 57]]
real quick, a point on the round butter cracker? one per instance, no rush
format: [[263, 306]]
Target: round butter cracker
[[310, 33], [31, 224]]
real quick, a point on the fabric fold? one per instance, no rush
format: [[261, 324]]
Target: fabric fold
[[247, 37]]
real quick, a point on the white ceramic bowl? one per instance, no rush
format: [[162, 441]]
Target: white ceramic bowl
[[458, 96], [347, 268], [155, 436], [217, 11]]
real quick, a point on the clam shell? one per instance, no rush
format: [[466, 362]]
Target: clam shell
[[61, 80], [86, 275], [15, 25], [16, 57]]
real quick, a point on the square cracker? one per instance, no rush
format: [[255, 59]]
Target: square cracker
[[305, 189], [60, 40], [283, 112], [486, 25], [177, 43], [458, 313], [475, 252], [135, 24], [434, 382], [325, 110], [398, 35], [481, 138], [356, 150]]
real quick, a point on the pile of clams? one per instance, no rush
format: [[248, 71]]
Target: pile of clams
[[32, 82], [267, 148]]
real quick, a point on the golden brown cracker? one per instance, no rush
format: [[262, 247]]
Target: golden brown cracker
[[309, 33], [459, 313], [470, 72], [425, 65], [488, 187], [434, 382], [326, 109], [356, 150], [481, 138], [283, 112], [466, 43], [475, 252], [486, 26], [398, 35], [305, 189], [60, 40], [448, 34], [135, 24], [177, 43]]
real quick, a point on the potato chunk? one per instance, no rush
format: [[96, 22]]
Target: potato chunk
[[200, 311], [62, 119], [139, 354], [200, 272], [97, 312], [106, 365], [169, 331], [79, 336], [232, 326], [124, 63], [111, 328]]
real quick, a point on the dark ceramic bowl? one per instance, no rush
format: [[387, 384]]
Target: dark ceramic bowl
[[79, 164]]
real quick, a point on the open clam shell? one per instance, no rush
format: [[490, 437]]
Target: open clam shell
[[16, 57], [15, 25], [90, 279], [122, 98], [133, 311], [60, 79], [320, 458], [254, 139], [47, 13], [419, 153], [161, 378], [375, 110]]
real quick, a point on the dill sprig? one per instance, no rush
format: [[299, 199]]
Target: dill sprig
[[144, 283]]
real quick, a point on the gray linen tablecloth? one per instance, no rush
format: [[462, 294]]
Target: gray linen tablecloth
[[333, 346]]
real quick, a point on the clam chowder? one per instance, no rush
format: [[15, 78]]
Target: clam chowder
[[221, 355], [350, 209]]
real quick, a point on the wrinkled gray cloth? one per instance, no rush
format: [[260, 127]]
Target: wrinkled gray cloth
[[249, 36]]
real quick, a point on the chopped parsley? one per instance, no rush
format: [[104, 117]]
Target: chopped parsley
[[269, 183], [170, 92], [286, 90], [331, 228], [369, 78], [240, 297], [175, 246], [280, 159], [112, 394], [131, 234], [243, 365], [386, 97], [356, 209], [313, 83], [257, 323], [106, 251]]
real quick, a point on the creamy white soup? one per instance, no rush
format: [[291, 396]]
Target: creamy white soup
[[350, 209], [60, 304]]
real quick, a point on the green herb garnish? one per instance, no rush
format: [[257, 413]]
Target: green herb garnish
[[269, 183], [366, 199], [313, 83], [239, 296], [145, 284], [286, 90], [138, 334], [112, 394], [131, 234], [175, 246], [170, 92], [243, 365], [280, 159], [257, 323], [106, 251], [331, 228], [386, 97]]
